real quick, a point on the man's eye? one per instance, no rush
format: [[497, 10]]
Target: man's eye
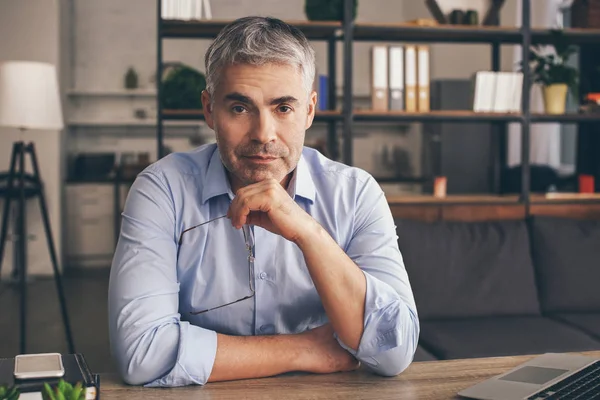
[[238, 109], [285, 109]]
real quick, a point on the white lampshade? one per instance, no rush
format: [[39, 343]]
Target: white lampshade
[[29, 96]]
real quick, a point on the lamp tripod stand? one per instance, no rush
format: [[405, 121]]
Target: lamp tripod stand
[[16, 191]]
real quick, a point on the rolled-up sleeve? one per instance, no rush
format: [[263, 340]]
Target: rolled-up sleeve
[[391, 324], [149, 341]]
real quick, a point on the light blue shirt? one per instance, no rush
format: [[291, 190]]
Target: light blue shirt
[[155, 283]]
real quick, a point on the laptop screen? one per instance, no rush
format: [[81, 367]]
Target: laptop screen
[[534, 375]]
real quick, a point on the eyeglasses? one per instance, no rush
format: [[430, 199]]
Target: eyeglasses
[[249, 243]]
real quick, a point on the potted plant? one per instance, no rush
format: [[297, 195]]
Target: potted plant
[[551, 70]]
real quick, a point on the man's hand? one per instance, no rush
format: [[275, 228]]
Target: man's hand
[[268, 205], [323, 354]]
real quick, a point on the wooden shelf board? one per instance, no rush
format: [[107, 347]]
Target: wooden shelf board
[[454, 199], [573, 35], [565, 198], [438, 33], [404, 32], [208, 29], [567, 117], [452, 115]]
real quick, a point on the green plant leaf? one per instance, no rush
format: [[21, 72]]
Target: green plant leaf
[[47, 392], [59, 394], [77, 391]]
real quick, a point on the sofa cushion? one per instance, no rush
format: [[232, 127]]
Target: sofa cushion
[[566, 254], [502, 336], [468, 269], [423, 355], [587, 322]]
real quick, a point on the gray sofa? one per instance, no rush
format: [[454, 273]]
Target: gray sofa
[[506, 287]]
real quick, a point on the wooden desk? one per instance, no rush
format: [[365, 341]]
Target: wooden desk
[[422, 380]]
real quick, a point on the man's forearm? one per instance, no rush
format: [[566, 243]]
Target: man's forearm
[[242, 357], [340, 283]]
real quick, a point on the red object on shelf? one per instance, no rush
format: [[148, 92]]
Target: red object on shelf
[[586, 183], [439, 186]]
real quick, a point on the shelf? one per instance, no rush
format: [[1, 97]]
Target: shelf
[[565, 198], [454, 200], [209, 29], [431, 116], [568, 117], [188, 115], [574, 35], [390, 32], [438, 33]]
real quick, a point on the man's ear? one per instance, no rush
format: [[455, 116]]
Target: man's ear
[[312, 106], [207, 108]]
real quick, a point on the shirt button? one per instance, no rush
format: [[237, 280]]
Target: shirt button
[[263, 275], [269, 328]]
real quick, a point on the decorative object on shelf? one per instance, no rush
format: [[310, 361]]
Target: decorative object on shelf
[[186, 10], [140, 113], [440, 185], [182, 87], [585, 14], [131, 79], [551, 70], [470, 17], [586, 183], [457, 17], [327, 10]]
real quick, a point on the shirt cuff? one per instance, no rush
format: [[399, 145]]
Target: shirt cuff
[[382, 319], [195, 357]]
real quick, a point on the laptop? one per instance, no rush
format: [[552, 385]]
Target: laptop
[[548, 376]]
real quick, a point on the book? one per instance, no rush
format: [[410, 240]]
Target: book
[[76, 370]]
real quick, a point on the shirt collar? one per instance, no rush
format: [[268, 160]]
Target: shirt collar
[[217, 183], [302, 183]]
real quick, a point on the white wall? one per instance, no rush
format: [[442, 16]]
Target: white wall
[[29, 30]]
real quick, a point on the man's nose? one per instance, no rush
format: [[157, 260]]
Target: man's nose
[[264, 129]]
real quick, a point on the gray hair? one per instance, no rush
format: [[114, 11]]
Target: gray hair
[[259, 41]]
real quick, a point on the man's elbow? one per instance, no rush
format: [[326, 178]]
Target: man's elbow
[[141, 364], [141, 374]]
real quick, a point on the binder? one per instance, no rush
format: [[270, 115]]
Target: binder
[[323, 93], [76, 370], [423, 78], [379, 78], [410, 78], [396, 78]]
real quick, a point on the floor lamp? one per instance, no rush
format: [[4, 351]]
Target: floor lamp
[[29, 99]]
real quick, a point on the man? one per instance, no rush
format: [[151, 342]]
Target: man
[[328, 286]]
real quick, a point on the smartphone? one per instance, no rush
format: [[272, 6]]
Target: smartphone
[[36, 366]]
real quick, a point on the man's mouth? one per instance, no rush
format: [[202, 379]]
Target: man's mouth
[[261, 159]]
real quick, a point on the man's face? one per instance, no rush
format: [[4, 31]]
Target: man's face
[[259, 115]]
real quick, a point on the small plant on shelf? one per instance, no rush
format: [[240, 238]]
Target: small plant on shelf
[[552, 71]]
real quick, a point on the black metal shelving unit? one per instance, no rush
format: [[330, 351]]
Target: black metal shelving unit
[[348, 31]]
